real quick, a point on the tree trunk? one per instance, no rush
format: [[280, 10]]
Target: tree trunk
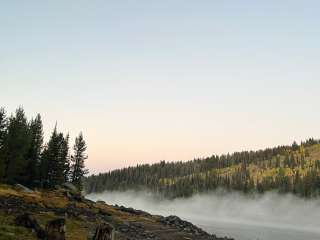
[[104, 232], [56, 229], [26, 220]]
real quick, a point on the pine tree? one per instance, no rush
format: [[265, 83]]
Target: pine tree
[[65, 158], [3, 124], [277, 161], [44, 168], [78, 166], [56, 158], [15, 149], [34, 154], [3, 129], [295, 146]]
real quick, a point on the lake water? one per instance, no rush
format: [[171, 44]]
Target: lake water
[[248, 232], [265, 217]]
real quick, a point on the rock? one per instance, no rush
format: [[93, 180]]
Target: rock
[[188, 227], [104, 232], [55, 229], [104, 213], [26, 220], [20, 187], [136, 231], [71, 192], [132, 211], [70, 186]]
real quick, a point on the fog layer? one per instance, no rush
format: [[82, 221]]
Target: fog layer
[[268, 210]]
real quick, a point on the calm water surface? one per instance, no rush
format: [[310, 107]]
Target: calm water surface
[[266, 217], [248, 232]]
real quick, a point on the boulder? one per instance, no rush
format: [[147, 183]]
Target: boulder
[[132, 211], [20, 187], [70, 187], [71, 192]]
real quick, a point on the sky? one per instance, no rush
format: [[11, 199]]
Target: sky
[[164, 80]]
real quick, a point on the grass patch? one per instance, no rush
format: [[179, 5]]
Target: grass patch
[[9, 231]]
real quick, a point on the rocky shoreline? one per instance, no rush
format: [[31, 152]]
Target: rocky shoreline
[[85, 219], [136, 230]]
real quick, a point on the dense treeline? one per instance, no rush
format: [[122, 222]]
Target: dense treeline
[[285, 168], [25, 159]]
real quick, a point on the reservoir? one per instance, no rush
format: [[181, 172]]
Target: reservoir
[[259, 217], [249, 232]]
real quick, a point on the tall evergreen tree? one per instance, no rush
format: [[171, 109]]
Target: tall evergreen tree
[[3, 130], [3, 124], [34, 154], [57, 158], [65, 157], [78, 158], [16, 146], [44, 168]]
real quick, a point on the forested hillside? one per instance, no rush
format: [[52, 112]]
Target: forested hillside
[[26, 159], [294, 168]]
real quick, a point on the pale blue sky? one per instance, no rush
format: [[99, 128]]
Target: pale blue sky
[[152, 80]]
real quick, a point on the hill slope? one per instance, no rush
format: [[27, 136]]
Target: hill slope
[[294, 168], [82, 216]]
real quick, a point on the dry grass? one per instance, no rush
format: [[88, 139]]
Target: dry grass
[[9, 231]]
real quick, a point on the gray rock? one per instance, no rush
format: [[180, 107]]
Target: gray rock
[[20, 187], [70, 186]]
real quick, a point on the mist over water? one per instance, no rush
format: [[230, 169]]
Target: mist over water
[[264, 217]]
